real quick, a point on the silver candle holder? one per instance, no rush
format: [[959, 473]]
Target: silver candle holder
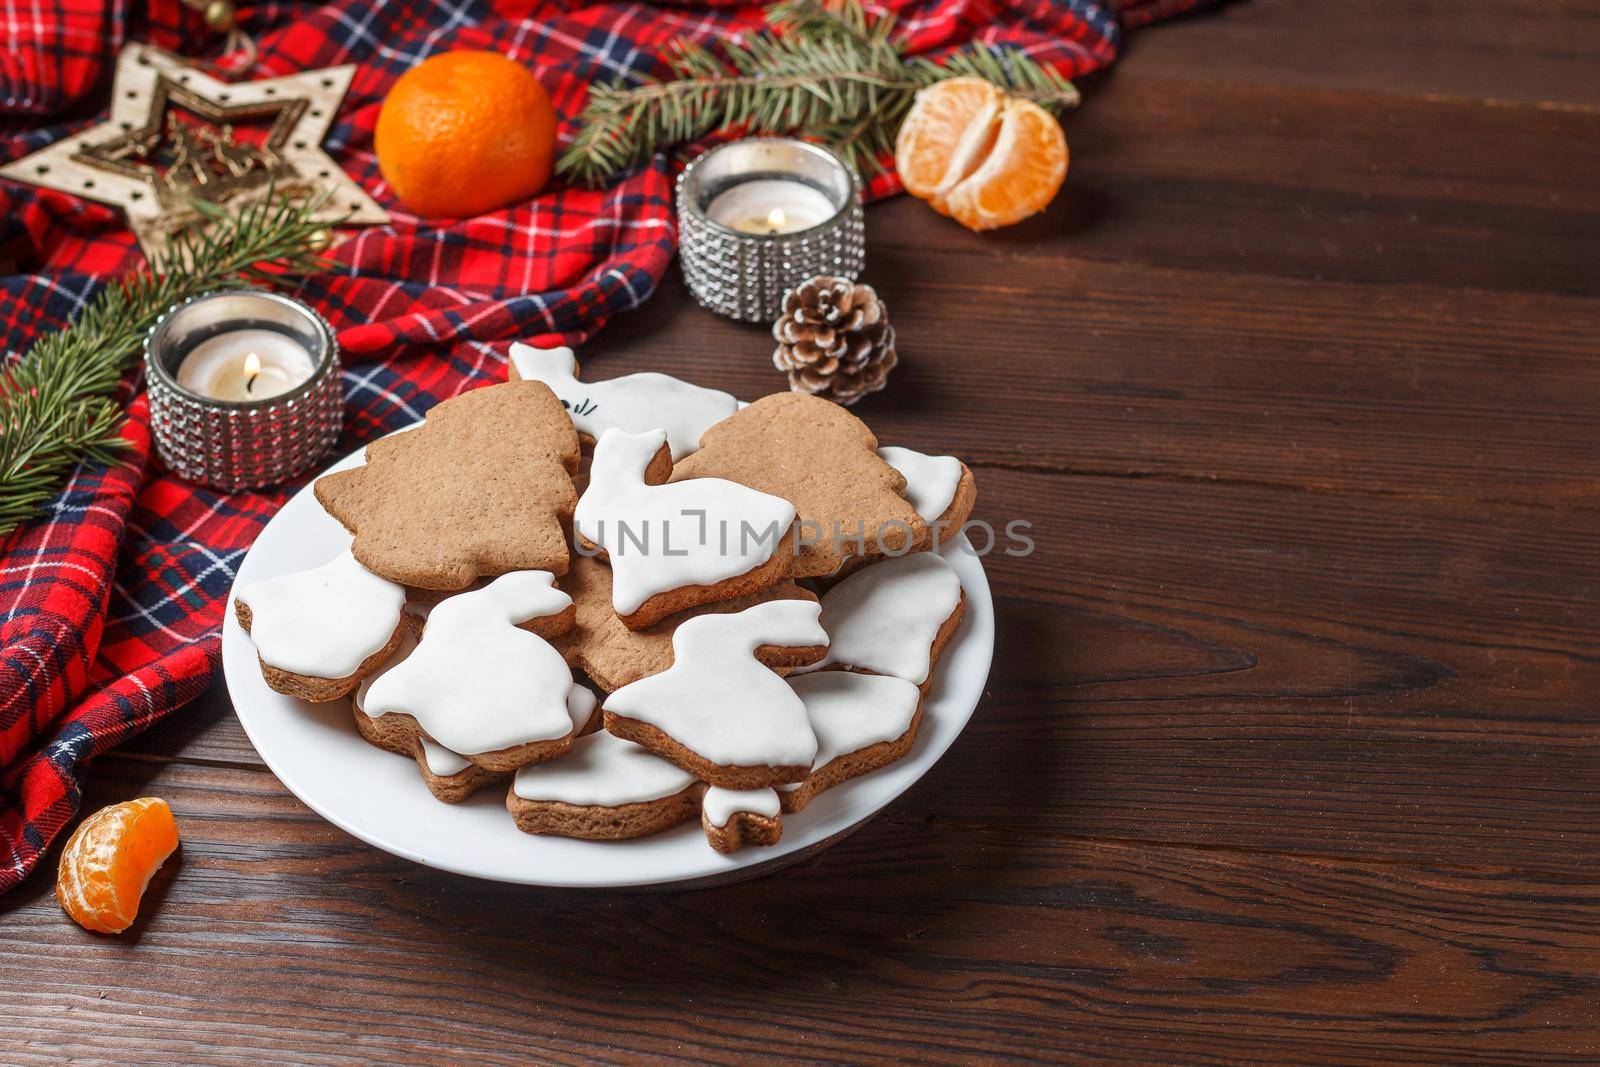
[[731, 265], [204, 434]]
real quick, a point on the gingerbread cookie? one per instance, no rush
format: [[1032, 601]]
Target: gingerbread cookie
[[633, 402], [482, 488], [677, 545], [318, 632], [452, 777], [733, 818], [584, 707], [399, 742], [479, 683], [605, 789], [717, 712], [613, 655], [824, 460], [862, 722], [941, 488], [893, 617]]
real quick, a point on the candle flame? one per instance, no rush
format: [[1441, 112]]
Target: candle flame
[[776, 218], [252, 365]]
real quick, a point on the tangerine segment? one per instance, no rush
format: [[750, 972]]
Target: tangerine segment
[[1021, 175], [463, 133], [943, 137], [109, 861]]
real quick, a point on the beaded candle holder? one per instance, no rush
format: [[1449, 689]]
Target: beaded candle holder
[[244, 388], [757, 217]]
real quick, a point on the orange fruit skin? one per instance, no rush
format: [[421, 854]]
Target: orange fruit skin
[[464, 133], [109, 861], [979, 156]]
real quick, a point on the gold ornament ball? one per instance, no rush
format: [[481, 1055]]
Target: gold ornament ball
[[320, 240], [219, 15]]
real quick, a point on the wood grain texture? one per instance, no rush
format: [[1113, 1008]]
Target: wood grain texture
[[1290, 750], [1544, 52], [985, 944]]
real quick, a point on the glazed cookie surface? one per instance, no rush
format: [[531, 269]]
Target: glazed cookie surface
[[717, 711], [824, 460], [318, 632], [418, 507], [479, 683], [633, 402], [941, 488], [605, 788], [674, 546], [892, 617], [862, 722]]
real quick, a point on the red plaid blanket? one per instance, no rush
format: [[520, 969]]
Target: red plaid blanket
[[110, 604]]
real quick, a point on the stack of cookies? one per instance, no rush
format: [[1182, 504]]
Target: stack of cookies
[[750, 586]]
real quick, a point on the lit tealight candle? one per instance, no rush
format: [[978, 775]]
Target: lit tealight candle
[[771, 206], [245, 365]]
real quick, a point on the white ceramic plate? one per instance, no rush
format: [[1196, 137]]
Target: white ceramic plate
[[379, 797]]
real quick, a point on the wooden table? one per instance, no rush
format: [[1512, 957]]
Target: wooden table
[[1289, 753]]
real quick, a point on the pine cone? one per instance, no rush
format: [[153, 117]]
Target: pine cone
[[834, 339]]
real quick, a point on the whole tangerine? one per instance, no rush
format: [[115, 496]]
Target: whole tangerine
[[462, 133]]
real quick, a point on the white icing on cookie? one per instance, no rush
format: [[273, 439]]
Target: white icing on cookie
[[444, 763], [580, 705], [720, 804], [408, 645], [663, 537], [324, 622], [849, 711], [884, 617], [441, 761], [633, 402], [602, 771], [718, 700], [931, 481], [476, 683]]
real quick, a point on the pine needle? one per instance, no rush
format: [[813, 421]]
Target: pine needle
[[826, 68], [56, 407]]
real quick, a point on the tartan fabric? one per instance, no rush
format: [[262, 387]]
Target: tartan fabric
[[110, 603]]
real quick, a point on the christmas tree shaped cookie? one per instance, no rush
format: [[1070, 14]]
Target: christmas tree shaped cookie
[[479, 683], [824, 460], [718, 712], [677, 545], [633, 402], [482, 488]]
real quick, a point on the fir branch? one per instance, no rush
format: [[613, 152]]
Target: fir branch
[[826, 68], [56, 408]]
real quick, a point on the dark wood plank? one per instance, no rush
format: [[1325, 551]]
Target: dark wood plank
[[1135, 371], [912, 940], [1267, 286], [1371, 676], [1504, 50]]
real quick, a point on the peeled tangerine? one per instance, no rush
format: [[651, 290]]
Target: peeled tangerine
[[983, 158], [109, 861]]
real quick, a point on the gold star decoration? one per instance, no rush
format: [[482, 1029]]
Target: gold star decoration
[[176, 135]]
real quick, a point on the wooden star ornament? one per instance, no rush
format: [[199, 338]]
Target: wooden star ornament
[[176, 135]]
